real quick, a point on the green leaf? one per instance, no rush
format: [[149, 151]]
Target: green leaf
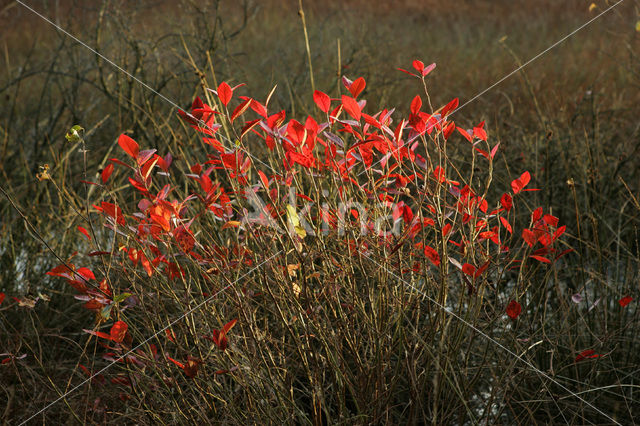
[[119, 298], [73, 135], [106, 312]]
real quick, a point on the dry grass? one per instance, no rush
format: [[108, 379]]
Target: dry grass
[[571, 116]]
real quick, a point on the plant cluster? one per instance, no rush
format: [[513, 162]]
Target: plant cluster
[[349, 266]]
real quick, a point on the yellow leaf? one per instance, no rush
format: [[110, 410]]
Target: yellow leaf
[[300, 231], [294, 219], [638, 26], [296, 289], [592, 6], [293, 215], [292, 269]]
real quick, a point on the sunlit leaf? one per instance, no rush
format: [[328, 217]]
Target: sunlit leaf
[[106, 173], [322, 100], [351, 107], [129, 146], [74, 134], [518, 184], [224, 93]]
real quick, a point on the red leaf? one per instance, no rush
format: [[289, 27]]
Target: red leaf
[[407, 72], [322, 100], [518, 184], [432, 255], [428, 69], [494, 150], [98, 334], [106, 173], [84, 232], [129, 145], [115, 160], [240, 109], [482, 269], [468, 269], [146, 264], [506, 201], [98, 253], [479, 132], [567, 251], [529, 237], [448, 130], [559, 232], [144, 156], [536, 215], [625, 301], [589, 353], [418, 65], [118, 331], [485, 154], [466, 134], [219, 339], [540, 258], [357, 87], [264, 179], [550, 220], [63, 271], [351, 107], [440, 174], [2, 296], [228, 326], [86, 274], [178, 363], [449, 107], [416, 104], [224, 93], [113, 211], [506, 225], [513, 309], [191, 367]]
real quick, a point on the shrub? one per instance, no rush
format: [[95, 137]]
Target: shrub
[[346, 267]]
